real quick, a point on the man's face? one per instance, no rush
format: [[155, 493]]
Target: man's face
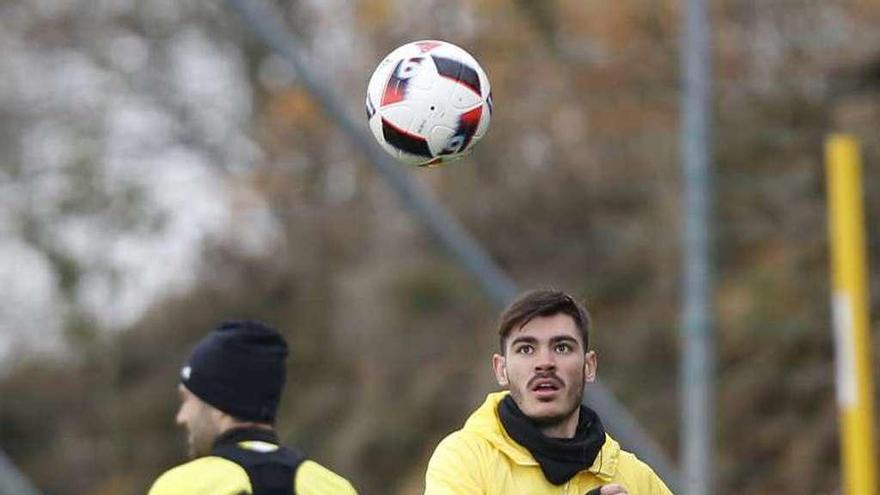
[[200, 422], [545, 366]]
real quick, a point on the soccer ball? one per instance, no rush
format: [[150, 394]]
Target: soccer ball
[[428, 103]]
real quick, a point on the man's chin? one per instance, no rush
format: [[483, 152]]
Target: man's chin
[[549, 420], [544, 415], [193, 450]]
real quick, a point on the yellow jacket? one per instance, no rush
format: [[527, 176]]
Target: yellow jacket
[[482, 459], [251, 461], [218, 476]]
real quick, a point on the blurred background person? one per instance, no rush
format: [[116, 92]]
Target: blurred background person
[[229, 393]]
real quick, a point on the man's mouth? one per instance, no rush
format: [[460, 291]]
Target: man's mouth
[[545, 388]]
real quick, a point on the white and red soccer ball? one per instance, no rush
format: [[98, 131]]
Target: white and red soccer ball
[[428, 103]]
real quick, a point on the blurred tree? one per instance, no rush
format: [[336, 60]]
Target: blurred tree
[[133, 133]]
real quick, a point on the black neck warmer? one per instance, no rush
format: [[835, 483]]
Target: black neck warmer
[[560, 458]]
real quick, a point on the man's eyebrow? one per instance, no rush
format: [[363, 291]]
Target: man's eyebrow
[[564, 338], [553, 340], [524, 339]]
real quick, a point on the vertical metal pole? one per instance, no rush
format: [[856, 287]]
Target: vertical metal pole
[[852, 337], [698, 360]]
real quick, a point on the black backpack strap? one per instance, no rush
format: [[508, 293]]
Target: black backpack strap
[[271, 473]]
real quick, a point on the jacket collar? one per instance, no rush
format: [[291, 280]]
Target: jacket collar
[[485, 423], [236, 435]]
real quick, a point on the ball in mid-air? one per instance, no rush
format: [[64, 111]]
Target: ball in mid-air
[[428, 102]]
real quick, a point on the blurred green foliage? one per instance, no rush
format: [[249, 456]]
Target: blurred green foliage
[[576, 185]]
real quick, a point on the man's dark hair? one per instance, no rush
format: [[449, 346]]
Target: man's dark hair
[[539, 303]]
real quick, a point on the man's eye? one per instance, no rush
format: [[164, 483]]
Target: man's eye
[[563, 347], [525, 349]]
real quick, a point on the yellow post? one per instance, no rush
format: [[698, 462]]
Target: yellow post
[[852, 340]]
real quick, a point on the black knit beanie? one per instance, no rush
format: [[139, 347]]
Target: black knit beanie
[[239, 369]]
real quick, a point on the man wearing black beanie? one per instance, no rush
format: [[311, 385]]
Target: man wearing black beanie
[[230, 389]]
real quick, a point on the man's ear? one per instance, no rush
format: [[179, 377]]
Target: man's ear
[[591, 366], [499, 366]]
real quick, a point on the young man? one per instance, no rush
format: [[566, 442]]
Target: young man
[[229, 391], [537, 438]]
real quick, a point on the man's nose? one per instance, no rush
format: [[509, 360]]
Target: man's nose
[[546, 361]]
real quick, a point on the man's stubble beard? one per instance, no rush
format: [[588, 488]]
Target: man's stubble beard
[[201, 438], [575, 394]]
